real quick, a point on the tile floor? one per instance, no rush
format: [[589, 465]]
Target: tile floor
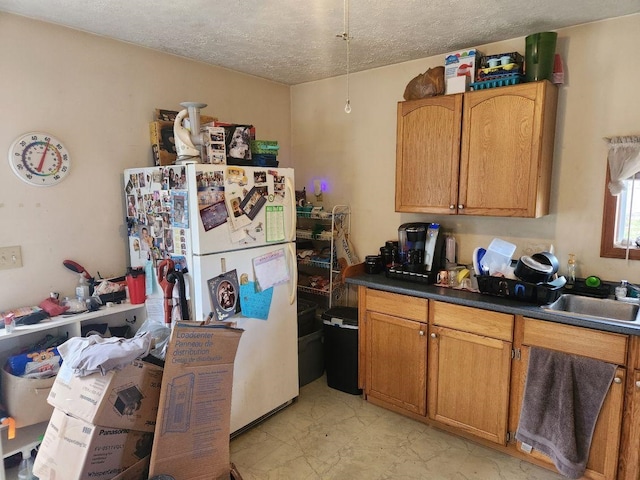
[[328, 434]]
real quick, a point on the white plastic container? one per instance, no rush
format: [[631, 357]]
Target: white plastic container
[[498, 257]]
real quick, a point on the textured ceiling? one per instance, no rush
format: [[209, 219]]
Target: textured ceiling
[[294, 41]]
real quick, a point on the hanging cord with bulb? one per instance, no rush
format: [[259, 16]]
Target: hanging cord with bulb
[[345, 36]]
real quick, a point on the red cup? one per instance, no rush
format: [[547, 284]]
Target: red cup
[[136, 286]]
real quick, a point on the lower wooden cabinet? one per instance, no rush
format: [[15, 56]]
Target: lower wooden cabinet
[[605, 346], [469, 382], [396, 361], [465, 369], [470, 369], [630, 459], [393, 363]]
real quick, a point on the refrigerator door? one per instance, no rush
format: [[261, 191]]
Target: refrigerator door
[[266, 367], [232, 207]]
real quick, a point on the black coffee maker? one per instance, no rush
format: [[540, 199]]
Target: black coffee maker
[[411, 241], [420, 247]]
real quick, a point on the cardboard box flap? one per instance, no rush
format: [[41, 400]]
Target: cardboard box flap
[[197, 345], [194, 415]]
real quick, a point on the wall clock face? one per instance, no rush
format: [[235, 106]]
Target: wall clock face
[[39, 159]]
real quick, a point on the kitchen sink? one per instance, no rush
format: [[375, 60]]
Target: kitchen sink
[[595, 308]]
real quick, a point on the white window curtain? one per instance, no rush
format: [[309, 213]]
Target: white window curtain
[[624, 161]]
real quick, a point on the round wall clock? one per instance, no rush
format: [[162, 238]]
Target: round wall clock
[[39, 159]]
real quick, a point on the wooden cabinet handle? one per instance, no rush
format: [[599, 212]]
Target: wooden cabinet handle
[[452, 207], [421, 333], [617, 380], [433, 335], [638, 384], [460, 207]]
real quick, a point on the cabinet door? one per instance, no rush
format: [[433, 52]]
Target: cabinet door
[[603, 456], [605, 346], [396, 361], [469, 377], [507, 150], [630, 459], [428, 154]]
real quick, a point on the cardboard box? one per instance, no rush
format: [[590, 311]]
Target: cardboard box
[[26, 398], [456, 85], [126, 398], [162, 143], [193, 427], [73, 449], [138, 471], [461, 63]]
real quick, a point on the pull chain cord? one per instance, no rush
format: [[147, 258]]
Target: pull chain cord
[[345, 36]]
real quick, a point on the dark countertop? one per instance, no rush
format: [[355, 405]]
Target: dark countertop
[[487, 302]]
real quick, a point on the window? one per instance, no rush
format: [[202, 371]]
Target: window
[[621, 221], [621, 216]]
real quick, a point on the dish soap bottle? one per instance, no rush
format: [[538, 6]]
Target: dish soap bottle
[[571, 269]]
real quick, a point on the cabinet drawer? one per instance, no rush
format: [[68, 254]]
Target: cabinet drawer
[[404, 306], [605, 346], [472, 320]]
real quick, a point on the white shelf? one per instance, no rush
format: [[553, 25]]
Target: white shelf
[[62, 320], [338, 219], [28, 438]]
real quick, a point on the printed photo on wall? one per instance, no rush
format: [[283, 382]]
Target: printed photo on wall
[[224, 292]]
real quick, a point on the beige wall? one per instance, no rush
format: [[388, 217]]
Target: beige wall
[[355, 153], [98, 97]]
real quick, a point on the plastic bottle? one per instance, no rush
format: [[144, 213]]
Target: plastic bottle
[[82, 290], [571, 269], [25, 470], [621, 290]]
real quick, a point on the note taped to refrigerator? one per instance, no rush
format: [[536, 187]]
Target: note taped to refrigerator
[[255, 304], [271, 269], [274, 217]]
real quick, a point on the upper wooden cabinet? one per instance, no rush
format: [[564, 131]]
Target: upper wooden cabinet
[[487, 152]]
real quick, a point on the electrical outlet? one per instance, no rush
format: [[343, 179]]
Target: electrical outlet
[[10, 257]]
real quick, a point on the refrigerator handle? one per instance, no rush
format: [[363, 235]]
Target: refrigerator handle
[[292, 209], [294, 269]]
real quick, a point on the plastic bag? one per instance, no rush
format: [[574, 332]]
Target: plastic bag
[[427, 84], [160, 334]]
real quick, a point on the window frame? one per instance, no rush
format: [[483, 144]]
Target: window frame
[[607, 247]]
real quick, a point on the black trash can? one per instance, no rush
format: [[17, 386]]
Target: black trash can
[[341, 348]]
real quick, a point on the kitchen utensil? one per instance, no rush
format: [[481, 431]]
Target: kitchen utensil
[[558, 282], [547, 258], [531, 270], [188, 143], [478, 253], [497, 259]]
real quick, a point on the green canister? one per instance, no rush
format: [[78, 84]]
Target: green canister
[[540, 50]]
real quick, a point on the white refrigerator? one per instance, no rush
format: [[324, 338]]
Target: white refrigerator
[[233, 229]]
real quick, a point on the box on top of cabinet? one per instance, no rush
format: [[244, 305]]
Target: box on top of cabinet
[[461, 63]]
